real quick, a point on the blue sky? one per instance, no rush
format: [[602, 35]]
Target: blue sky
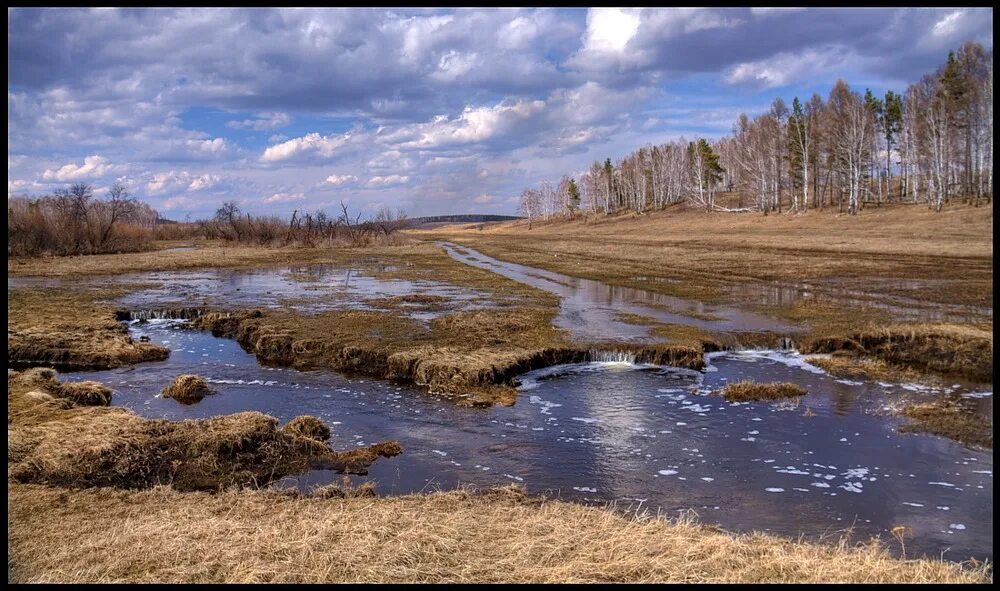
[[434, 112]]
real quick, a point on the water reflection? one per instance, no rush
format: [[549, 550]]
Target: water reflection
[[590, 310]]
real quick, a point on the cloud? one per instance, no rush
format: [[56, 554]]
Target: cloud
[[93, 167], [473, 125], [384, 181], [262, 122], [310, 145], [285, 197], [343, 179], [784, 68]]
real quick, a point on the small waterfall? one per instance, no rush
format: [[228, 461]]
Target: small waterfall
[[166, 314], [611, 356]]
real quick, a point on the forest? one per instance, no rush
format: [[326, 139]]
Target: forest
[[931, 144]]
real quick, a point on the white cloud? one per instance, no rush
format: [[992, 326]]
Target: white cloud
[[262, 122], [285, 197], [205, 181], [786, 68], [610, 29], [484, 199], [343, 179], [383, 181], [93, 167], [172, 180], [313, 144], [474, 125]]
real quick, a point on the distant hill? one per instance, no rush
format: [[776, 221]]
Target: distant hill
[[465, 218]]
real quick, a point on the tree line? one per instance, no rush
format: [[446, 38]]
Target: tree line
[[931, 144], [74, 222]]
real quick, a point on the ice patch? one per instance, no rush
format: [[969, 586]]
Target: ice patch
[[820, 485], [667, 472], [707, 479], [958, 526], [850, 382], [948, 484], [775, 490], [439, 452], [584, 489], [545, 404], [912, 504]]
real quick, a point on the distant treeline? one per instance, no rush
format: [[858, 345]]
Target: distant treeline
[[931, 144], [467, 218], [73, 221]]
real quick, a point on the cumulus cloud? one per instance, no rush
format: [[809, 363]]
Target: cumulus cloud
[[93, 167], [384, 181], [311, 145], [340, 179]]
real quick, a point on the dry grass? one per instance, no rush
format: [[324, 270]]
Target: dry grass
[[53, 441], [748, 390], [947, 349], [309, 426], [187, 389], [104, 535], [71, 330], [847, 365], [954, 418]]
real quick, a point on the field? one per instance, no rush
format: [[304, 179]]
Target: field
[[88, 495]]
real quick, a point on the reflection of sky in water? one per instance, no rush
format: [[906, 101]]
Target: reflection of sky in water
[[311, 289], [589, 309], [614, 432]]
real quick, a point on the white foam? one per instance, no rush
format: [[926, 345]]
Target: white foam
[[667, 472], [585, 489], [775, 490], [958, 526]]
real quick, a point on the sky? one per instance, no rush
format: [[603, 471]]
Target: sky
[[430, 111]]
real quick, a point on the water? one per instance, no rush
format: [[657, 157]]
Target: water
[[589, 310], [309, 289], [645, 437]]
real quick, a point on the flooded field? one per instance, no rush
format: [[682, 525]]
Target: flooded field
[[590, 310], [309, 289], [616, 432], [642, 437]]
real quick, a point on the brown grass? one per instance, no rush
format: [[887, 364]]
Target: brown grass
[[848, 365], [71, 329], [54, 441], [187, 389], [947, 349], [310, 427], [954, 418], [501, 535], [748, 390]]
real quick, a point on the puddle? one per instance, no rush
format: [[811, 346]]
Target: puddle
[[637, 435], [589, 309]]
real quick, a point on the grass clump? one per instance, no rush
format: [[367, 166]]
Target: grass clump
[[309, 427], [187, 389], [749, 390], [953, 418]]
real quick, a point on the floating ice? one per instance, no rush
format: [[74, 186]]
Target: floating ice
[[585, 489], [958, 526], [667, 472], [775, 490]]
